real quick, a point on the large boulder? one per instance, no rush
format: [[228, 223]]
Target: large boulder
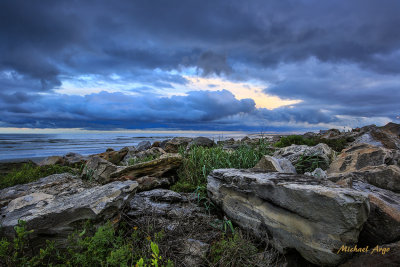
[[164, 166], [294, 153], [52, 160], [163, 202], [74, 159], [386, 136], [99, 170], [383, 176], [392, 128], [383, 224], [271, 164], [299, 212], [173, 145], [153, 152], [114, 156], [143, 145], [359, 156], [159, 172], [54, 205], [70, 159], [201, 141]]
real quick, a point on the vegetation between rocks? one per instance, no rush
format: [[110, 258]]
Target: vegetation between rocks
[[104, 246], [30, 173], [200, 161], [336, 144]]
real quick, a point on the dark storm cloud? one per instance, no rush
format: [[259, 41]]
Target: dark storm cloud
[[127, 111], [43, 43], [43, 38]]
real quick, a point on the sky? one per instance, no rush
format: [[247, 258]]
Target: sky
[[284, 65]]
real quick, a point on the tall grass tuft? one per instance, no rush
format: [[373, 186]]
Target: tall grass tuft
[[200, 161]]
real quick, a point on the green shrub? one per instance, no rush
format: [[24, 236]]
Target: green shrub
[[200, 161], [295, 140], [30, 173]]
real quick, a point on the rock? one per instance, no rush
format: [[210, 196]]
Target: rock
[[99, 170], [163, 143], [132, 151], [186, 225], [144, 145], [152, 152], [54, 205], [109, 149], [392, 128], [331, 134], [156, 144], [162, 202], [165, 166], [383, 224], [52, 160], [367, 139], [386, 177], [172, 146], [317, 173], [386, 136], [294, 152], [271, 164], [114, 157], [387, 255], [74, 159], [359, 156], [70, 159], [311, 215], [195, 252], [201, 141], [245, 139], [310, 135]]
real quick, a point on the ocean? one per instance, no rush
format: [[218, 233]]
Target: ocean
[[24, 146]]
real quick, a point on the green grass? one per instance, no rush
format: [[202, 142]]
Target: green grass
[[200, 161], [30, 173], [310, 163], [294, 140], [335, 144]]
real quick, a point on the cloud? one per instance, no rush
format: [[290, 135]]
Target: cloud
[[340, 59], [116, 109]]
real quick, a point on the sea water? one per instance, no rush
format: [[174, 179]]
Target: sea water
[[24, 146]]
